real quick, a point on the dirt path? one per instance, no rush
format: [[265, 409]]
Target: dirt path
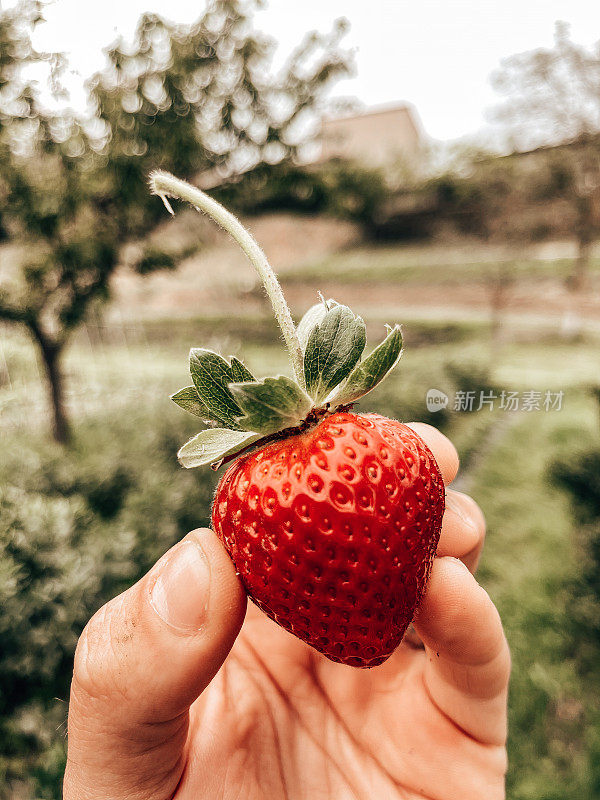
[[493, 436], [540, 298], [218, 280], [221, 270]]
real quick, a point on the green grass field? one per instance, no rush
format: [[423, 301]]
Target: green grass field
[[117, 391], [432, 265]]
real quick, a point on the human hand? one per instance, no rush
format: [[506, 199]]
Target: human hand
[[175, 695]]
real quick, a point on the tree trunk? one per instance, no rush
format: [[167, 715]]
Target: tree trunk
[[580, 275], [60, 426], [51, 353], [578, 280]]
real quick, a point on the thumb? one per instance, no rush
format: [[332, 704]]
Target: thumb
[[141, 662]]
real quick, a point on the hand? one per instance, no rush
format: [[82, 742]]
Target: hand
[[173, 697]]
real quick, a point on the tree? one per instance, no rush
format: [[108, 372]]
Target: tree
[[554, 101], [195, 99], [43, 209]]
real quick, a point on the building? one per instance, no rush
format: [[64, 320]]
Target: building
[[374, 137]]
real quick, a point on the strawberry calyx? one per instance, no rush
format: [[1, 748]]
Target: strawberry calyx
[[311, 421], [242, 413]]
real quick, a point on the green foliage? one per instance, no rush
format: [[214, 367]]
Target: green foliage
[[334, 346], [189, 399], [154, 259], [471, 376], [339, 188], [372, 370], [212, 376], [553, 98], [528, 567], [203, 98], [310, 320], [76, 528], [212, 446], [579, 474], [484, 195], [271, 404]]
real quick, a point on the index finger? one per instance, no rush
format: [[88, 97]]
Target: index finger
[[442, 448]]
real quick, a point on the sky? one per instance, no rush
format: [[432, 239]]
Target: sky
[[434, 54]]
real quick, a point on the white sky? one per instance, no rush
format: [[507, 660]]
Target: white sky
[[435, 54]]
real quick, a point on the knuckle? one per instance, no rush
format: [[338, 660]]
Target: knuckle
[[89, 653], [96, 658]]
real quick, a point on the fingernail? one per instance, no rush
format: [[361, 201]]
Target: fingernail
[[180, 593], [460, 509]]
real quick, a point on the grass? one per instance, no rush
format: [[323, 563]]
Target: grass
[[527, 567], [431, 265]]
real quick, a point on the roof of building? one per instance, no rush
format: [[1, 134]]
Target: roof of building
[[381, 110]]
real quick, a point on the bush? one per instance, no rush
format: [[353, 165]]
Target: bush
[[57, 562], [76, 529], [341, 189], [579, 475]]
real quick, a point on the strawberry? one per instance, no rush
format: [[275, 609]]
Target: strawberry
[[331, 518], [333, 532]]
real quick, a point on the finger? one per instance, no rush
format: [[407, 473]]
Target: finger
[[442, 448], [462, 536], [463, 529], [140, 663], [468, 661]]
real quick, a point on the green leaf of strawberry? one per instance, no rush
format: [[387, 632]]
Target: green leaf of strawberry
[[212, 375], [213, 445], [312, 318], [334, 346], [188, 399], [371, 371], [240, 372], [271, 405]]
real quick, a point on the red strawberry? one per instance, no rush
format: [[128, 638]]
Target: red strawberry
[[333, 519], [333, 532]]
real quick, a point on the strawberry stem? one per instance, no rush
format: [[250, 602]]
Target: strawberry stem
[[165, 185]]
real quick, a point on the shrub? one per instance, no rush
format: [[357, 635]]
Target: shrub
[[76, 528], [339, 188], [579, 475]]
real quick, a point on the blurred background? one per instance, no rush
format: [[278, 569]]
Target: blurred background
[[435, 166]]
